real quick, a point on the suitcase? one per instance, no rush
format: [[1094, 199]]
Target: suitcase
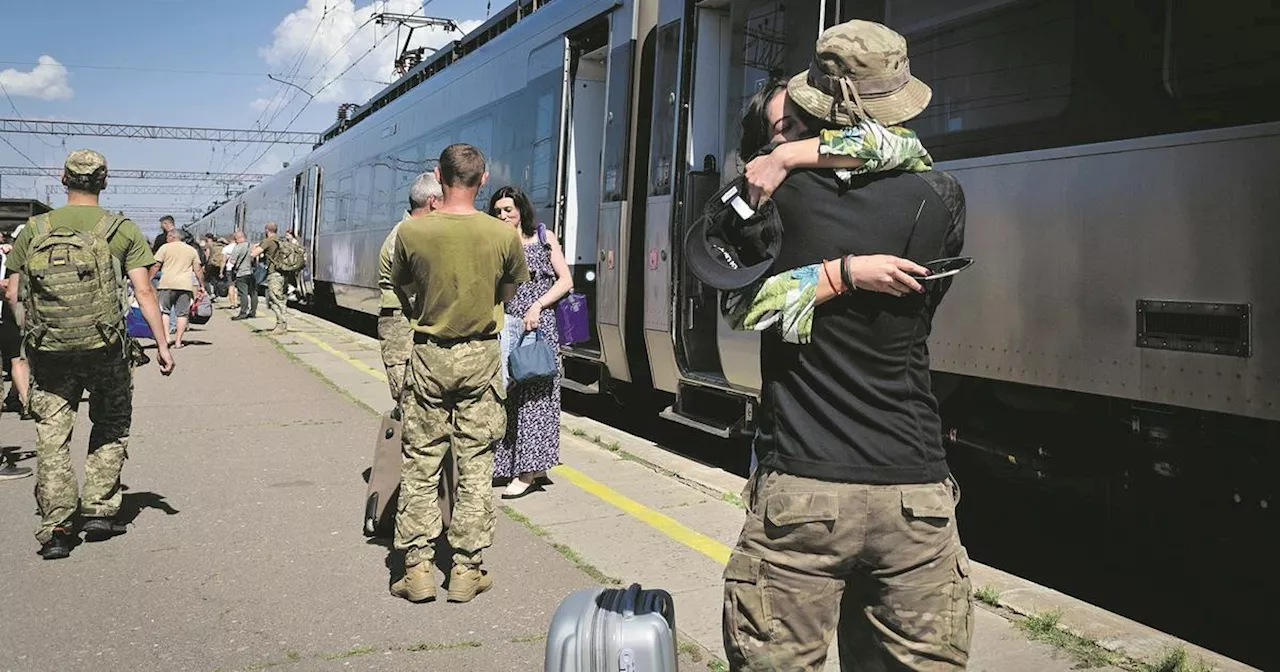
[[599, 629], [384, 482]]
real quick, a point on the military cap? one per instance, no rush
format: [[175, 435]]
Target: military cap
[[860, 70], [85, 162]]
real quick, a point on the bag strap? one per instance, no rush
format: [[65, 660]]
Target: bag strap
[[542, 235]]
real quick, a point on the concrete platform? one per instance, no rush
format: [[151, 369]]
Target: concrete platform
[[245, 553]]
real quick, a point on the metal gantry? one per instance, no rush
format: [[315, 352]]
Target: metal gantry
[[43, 127], [134, 174]]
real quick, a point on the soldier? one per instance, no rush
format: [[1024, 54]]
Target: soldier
[[461, 265], [268, 248], [75, 259], [394, 330]]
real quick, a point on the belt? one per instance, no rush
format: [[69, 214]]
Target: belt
[[388, 312], [419, 337]]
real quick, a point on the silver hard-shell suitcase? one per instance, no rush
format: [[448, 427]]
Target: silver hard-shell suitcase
[[599, 629]]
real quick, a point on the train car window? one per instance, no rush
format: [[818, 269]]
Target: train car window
[[1213, 51], [617, 136], [771, 38], [344, 203], [666, 95], [384, 188], [544, 101], [361, 194], [989, 67]]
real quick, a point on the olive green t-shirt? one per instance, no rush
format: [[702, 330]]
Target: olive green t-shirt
[[269, 247], [455, 266], [127, 244]]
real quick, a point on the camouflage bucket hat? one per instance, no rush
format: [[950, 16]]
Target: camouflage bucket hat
[[85, 162], [860, 69]]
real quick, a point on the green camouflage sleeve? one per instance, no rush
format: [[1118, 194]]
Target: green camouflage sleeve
[[786, 301]]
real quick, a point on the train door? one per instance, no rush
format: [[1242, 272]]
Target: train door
[[306, 210], [577, 135]]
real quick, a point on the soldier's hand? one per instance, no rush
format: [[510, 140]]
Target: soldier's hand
[[886, 273], [166, 361]]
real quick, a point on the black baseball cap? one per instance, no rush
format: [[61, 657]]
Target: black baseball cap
[[726, 250]]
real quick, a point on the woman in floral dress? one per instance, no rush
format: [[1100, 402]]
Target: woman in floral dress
[[532, 443]]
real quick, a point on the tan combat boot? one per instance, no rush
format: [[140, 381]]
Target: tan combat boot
[[418, 584], [465, 582]]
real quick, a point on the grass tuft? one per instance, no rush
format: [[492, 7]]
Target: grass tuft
[[444, 646], [988, 595], [350, 653]]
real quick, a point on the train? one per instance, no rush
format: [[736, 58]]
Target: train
[[1117, 158]]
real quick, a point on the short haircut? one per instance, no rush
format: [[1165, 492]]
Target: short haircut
[[461, 165], [424, 188], [173, 235], [528, 218], [273, 227], [167, 218], [92, 184]]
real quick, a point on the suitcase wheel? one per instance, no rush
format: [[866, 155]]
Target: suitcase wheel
[[390, 432], [371, 515]]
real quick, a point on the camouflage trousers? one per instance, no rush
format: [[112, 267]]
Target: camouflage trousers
[[396, 338], [58, 382], [453, 399], [276, 296], [880, 565]]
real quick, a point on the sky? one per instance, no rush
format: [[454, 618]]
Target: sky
[[193, 63]]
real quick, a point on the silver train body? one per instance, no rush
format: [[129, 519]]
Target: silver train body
[[1119, 181]]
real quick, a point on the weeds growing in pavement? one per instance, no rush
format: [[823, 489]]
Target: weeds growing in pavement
[[988, 595], [569, 554]]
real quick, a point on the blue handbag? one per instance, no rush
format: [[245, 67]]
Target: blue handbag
[[533, 362]]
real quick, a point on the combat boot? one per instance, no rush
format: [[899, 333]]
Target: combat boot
[[101, 529], [58, 546], [465, 582], [417, 585]]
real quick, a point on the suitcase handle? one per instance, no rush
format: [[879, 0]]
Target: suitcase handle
[[629, 599]]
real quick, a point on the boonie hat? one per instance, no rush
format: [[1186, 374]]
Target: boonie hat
[[728, 251], [85, 162], [860, 70]]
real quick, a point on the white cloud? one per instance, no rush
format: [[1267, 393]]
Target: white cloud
[[46, 81], [343, 36]]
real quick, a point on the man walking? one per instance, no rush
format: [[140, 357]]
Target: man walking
[[394, 331], [77, 341], [268, 249], [460, 265], [181, 282], [851, 522], [242, 271]]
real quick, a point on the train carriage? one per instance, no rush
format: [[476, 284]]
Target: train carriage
[[1116, 157]]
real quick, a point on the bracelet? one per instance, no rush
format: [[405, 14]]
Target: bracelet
[[844, 273], [827, 272]]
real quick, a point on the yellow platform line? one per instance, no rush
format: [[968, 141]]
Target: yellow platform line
[[343, 356], [667, 525]]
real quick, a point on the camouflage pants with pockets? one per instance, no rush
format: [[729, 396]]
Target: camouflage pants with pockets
[[276, 296], [58, 382], [396, 338], [453, 400], [881, 566]]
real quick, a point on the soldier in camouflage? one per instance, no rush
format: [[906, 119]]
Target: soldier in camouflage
[[276, 281], [460, 265], [851, 512], [394, 332], [68, 358]]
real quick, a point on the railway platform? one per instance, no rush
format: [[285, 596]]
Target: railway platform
[[244, 550]]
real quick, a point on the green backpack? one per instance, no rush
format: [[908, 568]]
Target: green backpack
[[289, 257], [76, 298]]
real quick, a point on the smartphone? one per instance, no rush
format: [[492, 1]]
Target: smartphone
[[944, 268]]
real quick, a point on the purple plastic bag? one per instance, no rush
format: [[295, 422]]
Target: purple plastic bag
[[572, 319]]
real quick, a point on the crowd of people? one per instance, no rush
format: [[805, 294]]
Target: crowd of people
[[850, 524]]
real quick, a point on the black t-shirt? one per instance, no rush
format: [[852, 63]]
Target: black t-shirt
[[856, 404]]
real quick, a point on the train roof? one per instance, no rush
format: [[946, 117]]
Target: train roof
[[444, 57]]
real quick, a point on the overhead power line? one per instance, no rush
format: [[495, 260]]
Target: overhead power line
[[155, 189], [157, 132], [135, 174]]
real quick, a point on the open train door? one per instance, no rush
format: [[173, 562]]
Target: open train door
[[306, 212]]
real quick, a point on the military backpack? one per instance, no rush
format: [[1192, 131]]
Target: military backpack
[[289, 257], [76, 298]]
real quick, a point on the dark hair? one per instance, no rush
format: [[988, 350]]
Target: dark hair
[[528, 219], [756, 129], [168, 218], [461, 165], [92, 183]]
